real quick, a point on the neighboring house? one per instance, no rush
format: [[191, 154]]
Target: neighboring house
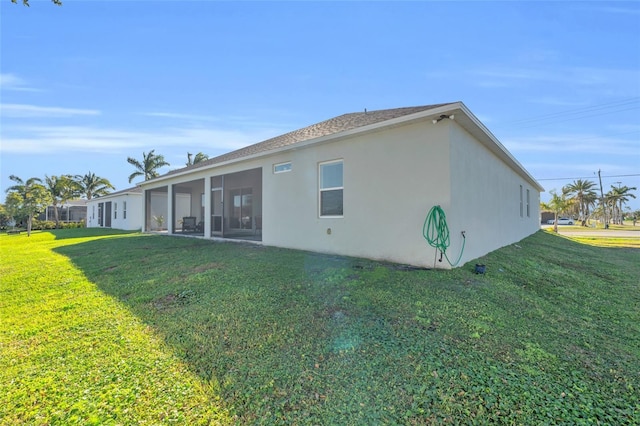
[[359, 184], [70, 211], [546, 217], [119, 210]]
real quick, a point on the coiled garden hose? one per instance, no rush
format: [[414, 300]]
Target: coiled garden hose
[[436, 231]]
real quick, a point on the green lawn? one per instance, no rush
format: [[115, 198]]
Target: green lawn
[[101, 327]]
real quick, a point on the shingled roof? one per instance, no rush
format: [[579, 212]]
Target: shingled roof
[[335, 125]]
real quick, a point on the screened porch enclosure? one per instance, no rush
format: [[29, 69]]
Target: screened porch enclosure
[[223, 206], [188, 207], [156, 209], [236, 205]]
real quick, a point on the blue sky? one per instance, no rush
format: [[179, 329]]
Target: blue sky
[[86, 85]]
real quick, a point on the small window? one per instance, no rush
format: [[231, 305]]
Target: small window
[[124, 209], [520, 200], [331, 189], [115, 210], [282, 167], [528, 205]]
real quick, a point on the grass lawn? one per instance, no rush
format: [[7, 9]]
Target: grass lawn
[[102, 327]]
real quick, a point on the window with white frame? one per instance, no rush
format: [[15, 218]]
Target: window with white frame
[[521, 201], [282, 167], [124, 209], [93, 212], [528, 205], [331, 188], [115, 210]]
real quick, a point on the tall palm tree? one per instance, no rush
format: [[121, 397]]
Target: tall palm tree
[[27, 199], [91, 185], [611, 199], [200, 157], [583, 191], [617, 197], [148, 167], [52, 183], [589, 201]]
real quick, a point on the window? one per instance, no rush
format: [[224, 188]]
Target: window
[[528, 206], [331, 189], [93, 212], [520, 200], [282, 167], [115, 210], [124, 209]]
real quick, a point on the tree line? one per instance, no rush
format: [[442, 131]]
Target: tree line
[[580, 199], [28, 198]]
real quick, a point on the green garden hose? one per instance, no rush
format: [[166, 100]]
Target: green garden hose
[[436, 231]]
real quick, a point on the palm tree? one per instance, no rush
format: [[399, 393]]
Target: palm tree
[[583, 192], [200, 157], [91, 185], [149, 166], [61, 188], [26, 199], [558, 204], [617, 197]]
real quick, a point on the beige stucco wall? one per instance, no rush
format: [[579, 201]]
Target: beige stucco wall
[[485, 199], [391, 180]]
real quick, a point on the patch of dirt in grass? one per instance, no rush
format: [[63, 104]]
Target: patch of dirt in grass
[[173, 299], [164, 301]]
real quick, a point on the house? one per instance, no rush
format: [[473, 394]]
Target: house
[[119, 210], [70, 211], [360, 184]]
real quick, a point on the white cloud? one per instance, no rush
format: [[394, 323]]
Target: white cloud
[[616, 82], [618, 10], [550, 174], [180, 116], [575, 143], [30, 111], [42, 140], [228, 121], [548, 100], [10, 81]]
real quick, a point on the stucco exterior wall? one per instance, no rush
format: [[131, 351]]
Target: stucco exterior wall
[[133, 220], [485, 199], [392, 177], [391, 180]]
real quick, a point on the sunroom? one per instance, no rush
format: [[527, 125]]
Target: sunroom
[[223, 206]]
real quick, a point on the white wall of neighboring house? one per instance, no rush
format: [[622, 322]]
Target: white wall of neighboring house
[[126, 210]]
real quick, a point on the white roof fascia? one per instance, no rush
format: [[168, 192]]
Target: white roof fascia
[[115, 194]]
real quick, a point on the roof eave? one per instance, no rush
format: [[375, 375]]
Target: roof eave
[[319, 140], [473, 126]]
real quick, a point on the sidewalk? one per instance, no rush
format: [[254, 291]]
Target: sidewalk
[[592, 232]]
